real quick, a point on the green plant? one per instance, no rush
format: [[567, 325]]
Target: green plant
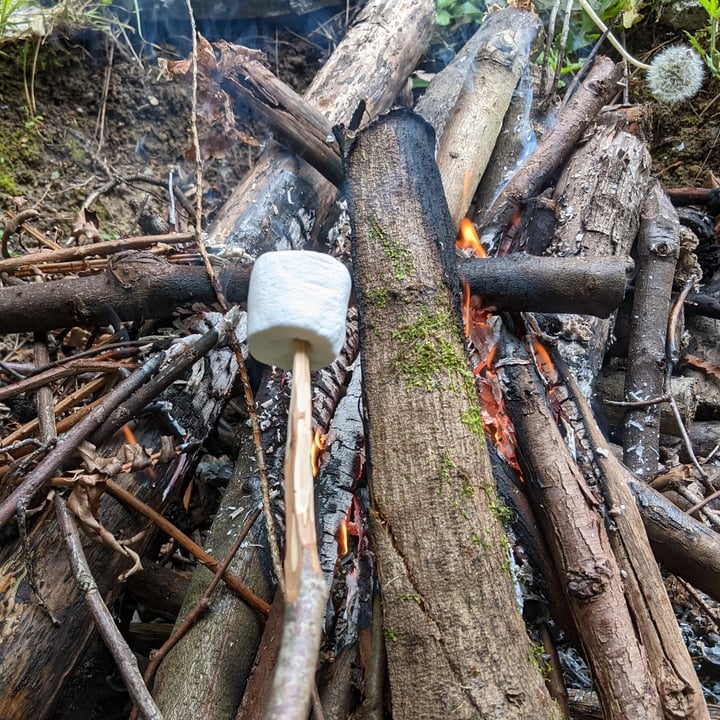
[[453, 13], [711, 56], [675, 74]]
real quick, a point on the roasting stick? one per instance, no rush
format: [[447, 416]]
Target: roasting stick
[[297, 304]]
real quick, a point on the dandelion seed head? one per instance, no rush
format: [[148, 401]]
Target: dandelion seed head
[[676, 73]]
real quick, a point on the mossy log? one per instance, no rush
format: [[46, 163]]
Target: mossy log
[[455, 638]]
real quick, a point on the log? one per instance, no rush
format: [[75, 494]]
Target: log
[[302, 128], [600, 190], [468, 118], [675, 678], [597, 90], [574, 528], [522, 283], [658, 248], [682, 544], [143, 286], [283, 201], [190, 682], [438, 542]]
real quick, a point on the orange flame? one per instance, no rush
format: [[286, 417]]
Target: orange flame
[[543, 362], [317, 447], [132, 440], [466, 308], [468, 239], [342, 538]]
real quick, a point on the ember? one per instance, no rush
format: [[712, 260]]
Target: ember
[[342, 538], [317, 447]]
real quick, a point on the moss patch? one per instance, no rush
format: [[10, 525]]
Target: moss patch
[[397, 252], [431, 358], [472, 419]]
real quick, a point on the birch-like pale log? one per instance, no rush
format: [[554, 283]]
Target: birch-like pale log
[[466, 103]]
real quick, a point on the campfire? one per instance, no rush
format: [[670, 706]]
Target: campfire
[[437, 521]]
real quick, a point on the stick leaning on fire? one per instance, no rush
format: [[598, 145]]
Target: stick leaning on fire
[[297, 306]]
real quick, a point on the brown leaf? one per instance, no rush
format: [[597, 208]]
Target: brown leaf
[[701, 364], [84, 502]]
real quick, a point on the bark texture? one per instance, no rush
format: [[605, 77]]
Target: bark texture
[[658, 248], [370, 66], [574, 528], [456, 643], [487, 81]]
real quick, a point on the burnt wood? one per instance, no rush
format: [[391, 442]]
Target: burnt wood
[[437, 540], [143, 286]]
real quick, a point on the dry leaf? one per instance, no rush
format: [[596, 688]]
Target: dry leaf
[[704, 365]]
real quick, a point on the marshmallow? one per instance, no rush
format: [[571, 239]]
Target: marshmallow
[[297, 295]]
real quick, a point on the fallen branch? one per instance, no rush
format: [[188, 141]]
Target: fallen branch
[[104, 621], [597, 90], [575, 531], [658, 246], [145, 287], [466, 102]]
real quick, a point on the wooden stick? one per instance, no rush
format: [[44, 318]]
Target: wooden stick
[[142, 287], [488, 77], [299, 499], [658, 247], [305, 587], [579, 543]]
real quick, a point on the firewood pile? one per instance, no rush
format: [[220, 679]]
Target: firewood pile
[[512, 453]]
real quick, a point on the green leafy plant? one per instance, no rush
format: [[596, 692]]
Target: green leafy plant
[[675, 73], [453, 13], [711, 55]]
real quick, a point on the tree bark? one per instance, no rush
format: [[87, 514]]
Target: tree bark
[[369, 66], [658, 248], [142, 286], [439, 545], [600, 190], [574, 528], [468, 118]]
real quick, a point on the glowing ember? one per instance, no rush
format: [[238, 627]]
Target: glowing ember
[[466, 308], [131, 440], [468, 239], [342, 538], [317, 447]]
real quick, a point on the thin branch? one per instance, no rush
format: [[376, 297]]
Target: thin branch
[[202, 604], [244, 377], [23, 494], [123, 656], [184, 541]]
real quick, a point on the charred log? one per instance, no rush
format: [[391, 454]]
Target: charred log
[[433, 575]]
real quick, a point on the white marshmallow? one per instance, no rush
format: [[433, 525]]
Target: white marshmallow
[[297, 295]]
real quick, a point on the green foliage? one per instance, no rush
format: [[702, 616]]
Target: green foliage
[[708, 51], [453, 13], [583, 33]]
